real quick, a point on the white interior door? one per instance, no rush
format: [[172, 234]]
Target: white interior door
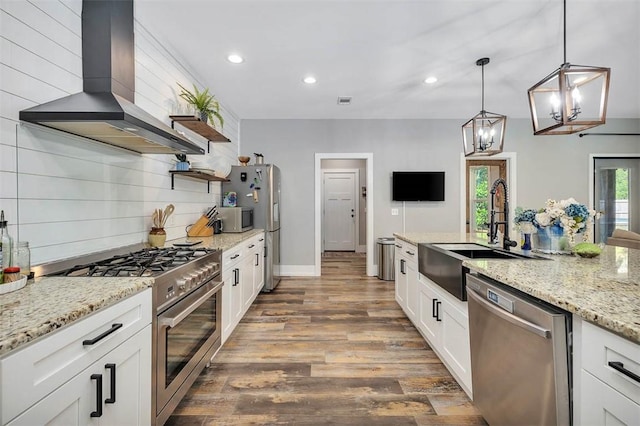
[[340, 211]]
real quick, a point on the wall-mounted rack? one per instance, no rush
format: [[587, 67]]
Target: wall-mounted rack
[[200, 127], [196, 174]]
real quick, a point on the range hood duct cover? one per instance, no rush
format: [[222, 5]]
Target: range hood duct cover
[[105, 111]]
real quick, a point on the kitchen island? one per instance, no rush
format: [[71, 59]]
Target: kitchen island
[[602, 294], [604, 290]]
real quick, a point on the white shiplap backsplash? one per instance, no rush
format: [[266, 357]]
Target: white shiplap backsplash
[[69, 195]]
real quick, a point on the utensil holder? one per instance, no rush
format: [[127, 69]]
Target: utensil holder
[[157, 237], [200, 229]]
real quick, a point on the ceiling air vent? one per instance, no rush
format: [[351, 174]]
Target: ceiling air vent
[[344, 100]]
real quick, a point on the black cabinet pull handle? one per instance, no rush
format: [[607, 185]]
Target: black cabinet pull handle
[[433, 308], [618, 366], [96, 339], [438, 311], [252, 246], [398, 245], [236, 277], [257, 259], [261, 239], [112, 377], [402, 266], [235, 256], [98, 379]]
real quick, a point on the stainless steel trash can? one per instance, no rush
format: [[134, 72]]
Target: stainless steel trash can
[[386, 258]]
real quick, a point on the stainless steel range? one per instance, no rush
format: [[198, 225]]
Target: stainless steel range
[[187, 300]]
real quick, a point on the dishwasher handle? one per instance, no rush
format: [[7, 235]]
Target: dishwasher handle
[[513, 319]]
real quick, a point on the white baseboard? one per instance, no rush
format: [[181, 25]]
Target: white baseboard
[[298, 271]]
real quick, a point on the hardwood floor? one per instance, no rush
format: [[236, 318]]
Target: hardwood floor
[[330, 350]]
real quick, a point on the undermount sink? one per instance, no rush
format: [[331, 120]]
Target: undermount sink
[[442, 263]]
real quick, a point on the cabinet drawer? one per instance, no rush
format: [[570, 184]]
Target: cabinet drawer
[[603, 406], [600, 348], [233, 255], [29, 374], [410, 252]]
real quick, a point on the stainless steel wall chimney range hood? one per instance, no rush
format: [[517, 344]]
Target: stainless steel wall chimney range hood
[[105, 110]]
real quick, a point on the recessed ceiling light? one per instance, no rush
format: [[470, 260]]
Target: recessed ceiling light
[[430, 80], [309, 79], [344, 100], [235, 58]]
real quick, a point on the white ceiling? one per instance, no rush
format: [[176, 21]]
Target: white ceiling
[[380, 52]]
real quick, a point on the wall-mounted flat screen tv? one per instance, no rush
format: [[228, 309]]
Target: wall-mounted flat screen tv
[[418, 186]]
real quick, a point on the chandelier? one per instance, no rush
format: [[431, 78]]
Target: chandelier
[[483, 135], [570, 99]]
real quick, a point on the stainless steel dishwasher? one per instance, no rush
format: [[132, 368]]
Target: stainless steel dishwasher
[[520, 356]]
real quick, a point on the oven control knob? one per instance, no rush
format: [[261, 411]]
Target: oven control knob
[[195, 278], [182, 284], [188, 280], [206, 271]]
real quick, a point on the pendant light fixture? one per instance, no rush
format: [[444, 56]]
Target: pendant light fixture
[[570, 99], [483, 135]]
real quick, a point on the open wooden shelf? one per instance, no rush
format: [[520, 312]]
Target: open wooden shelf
[[196, 174], [200, 127]]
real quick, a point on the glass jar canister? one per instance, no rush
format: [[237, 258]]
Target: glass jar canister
[[21, 257]]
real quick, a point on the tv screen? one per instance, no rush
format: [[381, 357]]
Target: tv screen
[[418, 186]]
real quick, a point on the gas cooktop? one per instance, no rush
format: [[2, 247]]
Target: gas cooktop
[[146, 262]]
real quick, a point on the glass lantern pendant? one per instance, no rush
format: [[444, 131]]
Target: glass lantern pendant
[[570, 99], [483, 135]]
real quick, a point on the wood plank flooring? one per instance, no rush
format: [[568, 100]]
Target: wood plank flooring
[[330, 350]]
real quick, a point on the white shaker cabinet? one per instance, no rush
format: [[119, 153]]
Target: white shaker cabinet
[[115, 390], [243, 275], [606, 377], [444, 323], [96, 371], [232, 275], [406, 278]]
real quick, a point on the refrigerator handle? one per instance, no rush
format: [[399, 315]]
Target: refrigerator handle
[[265, 251]]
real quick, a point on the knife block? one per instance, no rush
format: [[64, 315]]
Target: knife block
[[200, 229]]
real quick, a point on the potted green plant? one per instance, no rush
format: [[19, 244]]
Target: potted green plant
[[182, 163], [204, 102]]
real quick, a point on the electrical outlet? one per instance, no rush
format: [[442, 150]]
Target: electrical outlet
[[394, 212]]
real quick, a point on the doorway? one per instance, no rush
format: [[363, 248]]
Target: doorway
[[616, 195], [480, 175], [505, 167], [340, 209], [364, 242]]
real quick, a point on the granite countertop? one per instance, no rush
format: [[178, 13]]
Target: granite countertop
[[604, 290], [219, 241], [49, 303]]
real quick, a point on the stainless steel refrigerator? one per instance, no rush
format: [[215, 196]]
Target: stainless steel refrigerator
[[258, 186]]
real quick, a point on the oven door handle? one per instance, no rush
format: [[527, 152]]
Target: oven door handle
[[171, 322]]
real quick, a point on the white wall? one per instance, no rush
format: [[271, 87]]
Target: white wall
[[68, 195], [547, 167]]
